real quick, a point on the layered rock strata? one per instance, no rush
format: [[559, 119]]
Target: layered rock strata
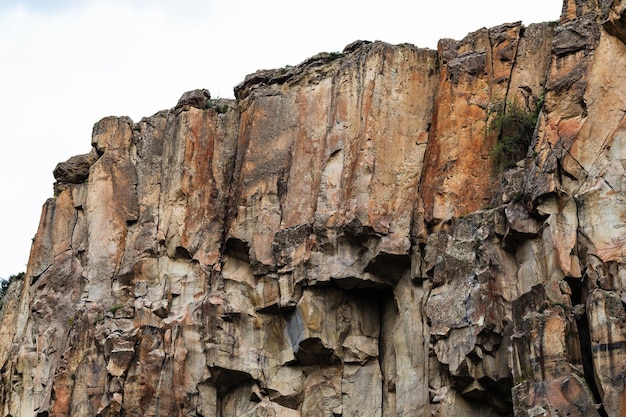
[[337, 242]]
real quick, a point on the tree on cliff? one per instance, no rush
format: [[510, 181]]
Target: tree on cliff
[[4, 285]]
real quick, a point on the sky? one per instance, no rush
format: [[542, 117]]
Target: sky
[[65, 64]]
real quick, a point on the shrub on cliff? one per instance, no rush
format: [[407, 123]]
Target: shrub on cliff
[[516, 126], [4, 285], [217, 104]]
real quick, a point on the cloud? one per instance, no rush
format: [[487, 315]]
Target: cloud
[[179, 8], [38, 6]]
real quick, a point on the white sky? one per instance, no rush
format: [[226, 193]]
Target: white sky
[[65, 64]]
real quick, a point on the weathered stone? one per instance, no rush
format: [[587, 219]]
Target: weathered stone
[[562, 396], [195, 98], [76, 169], [120, 353], [614, 18], [607, 322], [520, 222], [358, 399], [336, 241], [475, 73], [322, 392], [308, 172]]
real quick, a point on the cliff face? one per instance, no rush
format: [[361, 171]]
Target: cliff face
[[337, 242]]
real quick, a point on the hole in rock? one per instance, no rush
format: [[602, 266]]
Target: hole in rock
[[388, 266], [237, 248], [182, 253], [225, 379], [313, 352]]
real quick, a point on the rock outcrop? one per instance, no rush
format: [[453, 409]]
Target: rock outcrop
[[338, 241]]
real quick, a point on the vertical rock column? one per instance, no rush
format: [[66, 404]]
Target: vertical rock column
[[325, 194], [475, 75], [574, 183]]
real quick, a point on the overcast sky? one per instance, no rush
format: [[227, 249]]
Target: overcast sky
[[65, 64]]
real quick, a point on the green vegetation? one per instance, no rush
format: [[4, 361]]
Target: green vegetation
[[525, 374], [331, 56], [4, 285], [284, 70], [115, 308], [563, 306], [217, 105], [516, 125], [517, 197]]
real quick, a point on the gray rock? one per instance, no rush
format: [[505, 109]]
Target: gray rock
[[76, 169]]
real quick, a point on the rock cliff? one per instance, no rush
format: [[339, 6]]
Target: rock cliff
[[339, 241]]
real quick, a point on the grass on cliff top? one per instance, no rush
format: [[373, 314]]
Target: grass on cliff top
[[516, 125]]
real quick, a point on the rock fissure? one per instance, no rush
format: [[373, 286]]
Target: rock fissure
[[587, 362]]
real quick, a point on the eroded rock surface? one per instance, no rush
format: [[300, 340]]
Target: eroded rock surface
[[338, 242]]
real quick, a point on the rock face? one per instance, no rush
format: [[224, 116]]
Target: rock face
[[338, 242]]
